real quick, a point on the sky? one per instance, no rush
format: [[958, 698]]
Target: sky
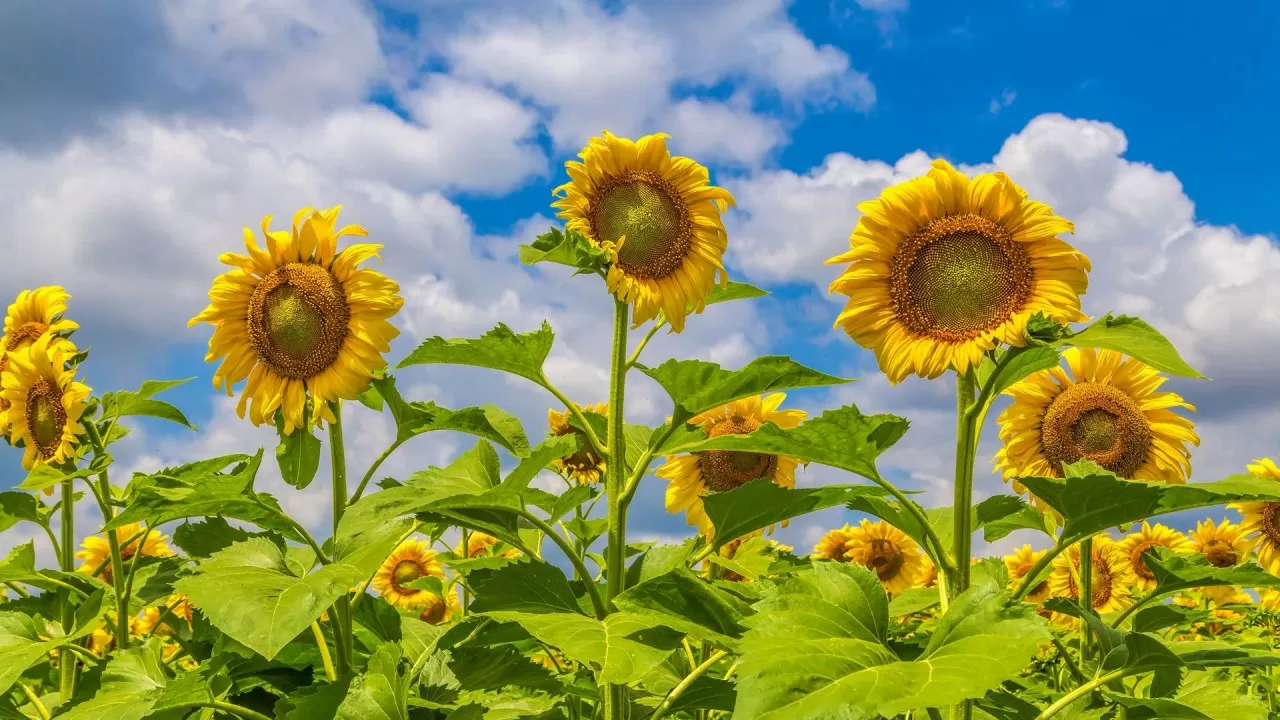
[[138, 137]]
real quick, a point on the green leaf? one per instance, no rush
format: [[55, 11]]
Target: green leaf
[[298, 455], [499, 349], [1000, 515], [489, 422], [1206, 699], [733, 291], [681, 600], [16, 507], [658, 560], [23, 637], [1154, 618], [842, 438], [815, 650], [496, 668], [1174, 572], [134, 685], [1098, 500], [696, 386], [529, 586], [248, 592], [381, 692], [1203, 654], [707, 693], [539, 459], [126, 403], [1020, 364], [20, 563], [625, 646], [44, 476], [1135, 338], [761, 503], [207, 537], [913, 600], [565, 248]]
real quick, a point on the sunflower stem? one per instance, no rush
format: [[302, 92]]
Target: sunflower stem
[[67, 558], [1124, 614], [965, 446], [103, 494], [635, 354], [597, 603], [1066, 700], [377, 463], [323, 644], [615, 706], [1086, 597], [689, 679], [1028, 580], [41, 711], [598, 447], [342, 638]]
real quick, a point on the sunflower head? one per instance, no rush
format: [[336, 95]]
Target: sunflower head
[[134, 539], [660, 217], [943, 268], [1223, 545], [1269, 599], [835, 544], [1262, 519], [34, 314], [1135, 544], [1019, 564], [692, 477], [583, 466], [480, 544], [928, 576], [45, 403], [411, 560], [888, 552], [1112, 580], [439, 609], [299, 319], [1106, 410]]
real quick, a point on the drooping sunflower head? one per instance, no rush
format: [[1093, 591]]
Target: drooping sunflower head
[[134, 540], [299, 319], [661, 216], [439, 609], [583, 466], [1148, 537], [1223, 545], [1262, 519], [888, 552], [943, 268], [1020, 563], [1107, 410], [1112, 579], [411, 560], [835, 544], [45, 403], [691, 477], [479, 544]]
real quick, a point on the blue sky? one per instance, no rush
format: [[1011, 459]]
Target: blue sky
[[444, 126]]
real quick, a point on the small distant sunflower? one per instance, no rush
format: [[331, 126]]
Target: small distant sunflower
[[583, 466], [928, 576], [45, 402], [439, 609], [692, 477], [659, 214], [1150, 536], [299, 319], [1020, 563], [943, 268], [1112, 579], [33, 314], [887, 551], [479, 544], [180, 609], [1107, 411], [1262, 519], [96, 550], [413, 559], [1269, 599], [835, 544], [1224, 545]]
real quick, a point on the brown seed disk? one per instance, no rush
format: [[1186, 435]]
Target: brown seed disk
[[651, 214], [1220, 554], [1098, 422], [45, 417], [727, 469], [298, 320], [405, 572], [26, 333], [1271, 522], [1101, 580], [434, 611], [885, 559], [1139, 564], [958, 277]]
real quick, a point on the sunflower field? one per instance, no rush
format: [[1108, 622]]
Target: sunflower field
[[471, 592]]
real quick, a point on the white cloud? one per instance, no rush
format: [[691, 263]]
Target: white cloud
[[1005, 99]]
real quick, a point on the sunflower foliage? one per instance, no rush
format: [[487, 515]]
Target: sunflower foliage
[[507, 582]]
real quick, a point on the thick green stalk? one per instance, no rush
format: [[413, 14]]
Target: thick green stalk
[[689, 679], [1080, 692], [104, 497], [965, 446], [342, 638], [615, 703], [68, 661], [1086, 596]]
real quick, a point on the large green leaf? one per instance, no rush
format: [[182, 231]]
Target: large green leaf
[[1096, 499], [24, 639], [1018, 364], [204, 538], [134, 685], [565, 248], [697, 385], [218, 487], [381, 692], [1000, 515], [529, 586], [489, 422], [733, 291], [624, 646], [16, 507], [249, 592], [142, 402], [1204, 699], [683, 601], [1135, 338], [1174, 572], [19, 564], [297, 454], [816, 650], [499, 349], [539, 459], [760, 503]]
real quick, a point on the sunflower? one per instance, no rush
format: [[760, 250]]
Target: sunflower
[[943, 268], [583, 466], [1224, 545], [835, 544], [1107, 411], [659, 217], [45, 401], [1112, 579], [413, 559], [439, 609], [33, 314], [180, 607], [479, 543], [96, 550], [729, 551], [1269, 599], [101, 640], [692, 477], [887, 551], [1020, 563], [1150, 536], [1262, 519], [928, 576], [299, 319]]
